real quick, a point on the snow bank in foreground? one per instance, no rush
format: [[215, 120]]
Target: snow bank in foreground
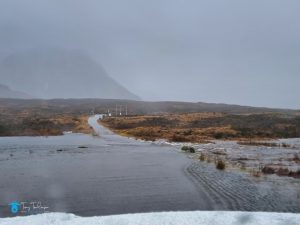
[[170, 218]]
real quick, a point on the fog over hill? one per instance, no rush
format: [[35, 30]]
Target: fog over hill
[[6, 92], [235, 52], [60, 73]]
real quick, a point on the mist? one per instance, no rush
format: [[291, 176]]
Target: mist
[[237, 52]]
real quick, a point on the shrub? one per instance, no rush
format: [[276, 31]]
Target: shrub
[[188, 132], [220, 165], [178, 138], [202, 157], [268, 170], [256, 173], [285, 145], [283, 172], [243, 166], [192, 150], [296, 157], [218, 135], [185, 148], [188, 149], [295, 174]]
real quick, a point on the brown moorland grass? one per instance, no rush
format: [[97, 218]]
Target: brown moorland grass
[[203, 127], [27, 124]]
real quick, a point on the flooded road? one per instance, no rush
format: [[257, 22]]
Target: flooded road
[[102, 175], [108, 174]]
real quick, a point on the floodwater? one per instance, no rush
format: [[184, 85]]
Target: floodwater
[[108, 174], [113, 175]]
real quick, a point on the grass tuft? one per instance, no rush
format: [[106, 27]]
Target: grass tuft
[[220, 165]]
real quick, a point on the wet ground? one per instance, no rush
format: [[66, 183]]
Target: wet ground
[[113, 175], [251, 157], [109, 174]]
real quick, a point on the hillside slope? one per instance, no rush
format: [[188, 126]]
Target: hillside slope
[[59, 73], [6, 92]]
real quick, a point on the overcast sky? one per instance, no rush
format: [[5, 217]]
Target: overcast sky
[[232, 51]]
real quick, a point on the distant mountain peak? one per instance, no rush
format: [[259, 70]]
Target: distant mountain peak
[[60, 73]]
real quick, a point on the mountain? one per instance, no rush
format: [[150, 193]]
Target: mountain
[[6, 92], [60, 73]]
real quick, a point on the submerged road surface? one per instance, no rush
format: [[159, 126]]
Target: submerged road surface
[[109, 174], [103, 175]]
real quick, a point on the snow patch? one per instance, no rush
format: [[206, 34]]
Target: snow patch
[[163, 218]]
